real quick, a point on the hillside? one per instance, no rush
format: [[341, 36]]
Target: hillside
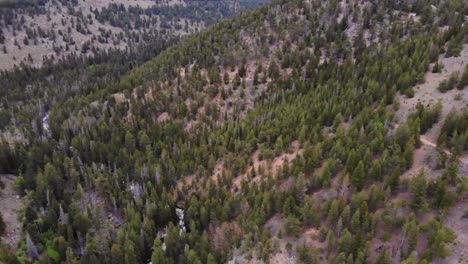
[[34, 32], [305, 131]]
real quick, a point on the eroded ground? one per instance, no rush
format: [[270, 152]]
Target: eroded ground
[[426, 156], [10, 204], [64, 38], [428, 95]]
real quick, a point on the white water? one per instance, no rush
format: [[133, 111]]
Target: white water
[[180, 214], [45, 122]]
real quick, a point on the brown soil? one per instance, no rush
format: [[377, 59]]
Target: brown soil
[[270, 167], [427, 94], [10, 204], [426, 156], [457, 220], [280, 255], [58, 13]]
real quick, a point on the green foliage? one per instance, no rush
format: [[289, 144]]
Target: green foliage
[[6, 256], [463, 83], [449, 83], [155, 139], [427, 116], [438, 66], [306, 255], [439, 237], [384, 258], [359, 176], [411, 231], [2, 225], [117, 254], [273, 70], [418, 190], [454, 132]]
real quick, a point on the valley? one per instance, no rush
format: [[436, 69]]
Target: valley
[[50, 31], [301, 131]]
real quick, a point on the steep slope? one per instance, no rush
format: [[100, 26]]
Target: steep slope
[[267, 138], [10, 204], [36, 32], [427, 95]]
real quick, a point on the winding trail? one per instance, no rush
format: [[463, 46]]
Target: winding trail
[[424, 140], [427, 94]]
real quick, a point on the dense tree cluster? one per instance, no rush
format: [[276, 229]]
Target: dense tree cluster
[[107, 172], [70, 30], [454, 133], [426, 116]]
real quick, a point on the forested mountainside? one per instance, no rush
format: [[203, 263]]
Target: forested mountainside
[[36, 32], [27, 90], [286, 135]]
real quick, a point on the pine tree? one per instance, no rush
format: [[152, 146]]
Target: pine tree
[[117, 255], [226, 78], [394, 180], [358, 179], [352, 161], [409, 153], [159, 255], [242, 71], [193, 257], [345, 242], [439, 237], [451, 173], [333, 213], [273, 70], [411, 232], [2, 225], [130, 141], [418, 189], [211, 259], [292, 226], [130, 253], [463, 82], [289, 207], [384, 258]]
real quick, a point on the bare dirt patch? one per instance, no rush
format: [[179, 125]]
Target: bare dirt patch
[[457, 220], [281, 254], [163, 117], [428, 95], [194, 183], [10, 203], [120, 97], [425, 157], [65, 38], [270, 166]]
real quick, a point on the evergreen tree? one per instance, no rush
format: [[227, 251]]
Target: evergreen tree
[[418, 189], [158, 255], [2, 225], [117, 254], [359, 176]]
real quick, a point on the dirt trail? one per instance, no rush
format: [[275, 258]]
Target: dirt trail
[[426, 141], [428, 95], [10, 203], [426, 156]]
